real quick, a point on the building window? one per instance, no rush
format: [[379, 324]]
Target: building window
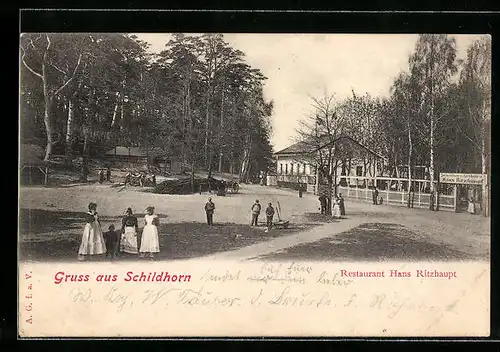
[[359, 170], [304, 169], [291, 169], [286, 169], [281, 168]]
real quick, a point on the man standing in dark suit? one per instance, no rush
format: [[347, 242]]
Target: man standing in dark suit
[[269, 217], [375, 195], [322, 202], [255, 213], [209, 209]]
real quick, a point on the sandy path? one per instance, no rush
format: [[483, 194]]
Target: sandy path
[[462, 231]]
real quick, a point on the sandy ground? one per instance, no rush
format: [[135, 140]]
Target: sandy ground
[[441, 232]]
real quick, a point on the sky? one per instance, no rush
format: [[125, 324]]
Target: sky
[[302, 66]]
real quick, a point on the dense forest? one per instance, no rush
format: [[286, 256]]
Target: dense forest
[[200, 102], [197, 101]]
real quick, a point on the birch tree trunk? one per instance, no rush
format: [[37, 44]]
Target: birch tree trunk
[[115, 110], [410, 151], [70, 131], [431, 160], [221, 153], [47, 117], [207, 125], [485, 186], [246, 159]]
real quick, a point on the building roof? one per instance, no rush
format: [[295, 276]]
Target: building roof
[[132, 151], [309, 146], [296, 148]]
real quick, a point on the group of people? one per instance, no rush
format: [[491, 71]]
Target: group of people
[[338, 208], [112, 242], [107, 174], [255, 212]]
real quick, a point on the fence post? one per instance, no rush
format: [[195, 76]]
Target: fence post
[[387, 189], [455, 198], [366, 187]]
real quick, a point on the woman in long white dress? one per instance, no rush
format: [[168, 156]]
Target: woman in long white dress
[[92, 238], [130, 228], [150, 242], [471, 208], [336, 208]]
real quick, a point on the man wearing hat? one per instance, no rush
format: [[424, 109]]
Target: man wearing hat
[[209, 209], [255, 213], [269, 217]]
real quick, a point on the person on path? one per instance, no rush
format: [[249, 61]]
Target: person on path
[[101, 176], [130, 229], [255, 213], [471, 208], [150, 242], [108, 174], [92, 238], [322, 202], [269, 217], [341, 204], [375, 195], [336, 208], [209, 210]]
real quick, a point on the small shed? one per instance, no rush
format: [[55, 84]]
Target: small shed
[[33, 169], [142, 156]]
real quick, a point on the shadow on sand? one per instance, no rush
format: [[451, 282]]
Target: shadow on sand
[[371, 242], [55, 235]]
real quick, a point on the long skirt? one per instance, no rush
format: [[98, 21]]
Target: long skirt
[[336, 211], [128, 243], [342, 209], [150, 242], [471, 208], [92, 240]]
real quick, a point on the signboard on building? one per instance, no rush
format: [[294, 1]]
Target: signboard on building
[[465, 179]]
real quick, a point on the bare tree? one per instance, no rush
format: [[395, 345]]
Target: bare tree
[[37, 52], [319, 136]]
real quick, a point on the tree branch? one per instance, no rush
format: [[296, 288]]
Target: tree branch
[[72, 76], [467, 136], [48, 43], [58, 69], [26, 65]]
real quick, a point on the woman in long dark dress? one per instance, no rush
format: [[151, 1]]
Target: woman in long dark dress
[[341, 204]]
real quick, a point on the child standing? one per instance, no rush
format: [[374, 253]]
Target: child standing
[[111, 238], [150, 242]]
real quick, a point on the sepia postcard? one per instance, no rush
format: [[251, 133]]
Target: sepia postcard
[[254, 185]]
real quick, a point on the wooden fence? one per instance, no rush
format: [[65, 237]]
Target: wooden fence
[[394, 191]]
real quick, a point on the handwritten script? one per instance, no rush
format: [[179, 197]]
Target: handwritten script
[[272, 286]]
